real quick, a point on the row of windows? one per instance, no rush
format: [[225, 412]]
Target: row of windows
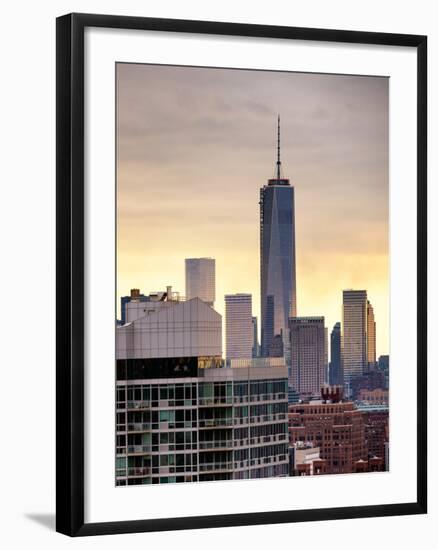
[[208, 414], [215, 390], [269, 450], [164, 438], [268, 429], [156, 480], [260, 410], [157, 392], [175, 460], [175, 416], [268, 386], [268, 408], [265, 472], [134, 417], [241, 454], [241, 433], [206, 390]]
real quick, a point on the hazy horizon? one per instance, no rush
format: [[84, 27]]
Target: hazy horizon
[[195, 145]]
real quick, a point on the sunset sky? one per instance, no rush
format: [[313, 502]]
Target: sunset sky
[[194, 147]]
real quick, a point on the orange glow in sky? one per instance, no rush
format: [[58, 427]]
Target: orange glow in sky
[[194, 147]]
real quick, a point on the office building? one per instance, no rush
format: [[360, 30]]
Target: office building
[[239, 331], [369, 381], [371, 337], [354, 331], [383, 366], [292, 395], [201, 279], [336, 377], [383, 363], [181, 415], [308, 355], [358, 335], [277, 260], [255, 338], [376, 421]]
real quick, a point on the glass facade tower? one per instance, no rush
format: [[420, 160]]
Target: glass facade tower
[[336, 376], [238, 326], [371, 337], [358, 337], [201, 279], [308, 355], [277, 260]]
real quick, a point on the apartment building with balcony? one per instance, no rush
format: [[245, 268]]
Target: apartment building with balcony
[[182, 416]]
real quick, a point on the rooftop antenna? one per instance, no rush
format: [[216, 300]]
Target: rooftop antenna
[[278, 148]]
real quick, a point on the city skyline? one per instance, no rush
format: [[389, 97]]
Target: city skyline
[[353, 253]]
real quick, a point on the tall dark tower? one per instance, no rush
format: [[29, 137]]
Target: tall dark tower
[[336, 376], [277, 260]]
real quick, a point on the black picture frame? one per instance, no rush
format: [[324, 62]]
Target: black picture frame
[[70, 273]]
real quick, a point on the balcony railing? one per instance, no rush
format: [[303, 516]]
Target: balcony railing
[[268, 397], [241, 421], [212, 466], [267, 418], [215, 444], [241, 442], [213, 422], [283, 438], [139, 426], [215, 401], [241, 398], [138, 405], [142, 471], [138, 449]]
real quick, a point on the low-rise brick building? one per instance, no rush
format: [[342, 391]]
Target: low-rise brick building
[[350, 439]]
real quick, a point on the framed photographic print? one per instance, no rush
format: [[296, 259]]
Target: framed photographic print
[[241, 274]]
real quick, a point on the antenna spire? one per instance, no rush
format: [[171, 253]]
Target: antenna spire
[[278, 149]]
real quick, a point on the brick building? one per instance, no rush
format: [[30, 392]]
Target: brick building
[[377, 434], [336, 427], [349, 439]]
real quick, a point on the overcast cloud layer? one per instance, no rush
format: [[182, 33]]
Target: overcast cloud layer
[[194, 147]]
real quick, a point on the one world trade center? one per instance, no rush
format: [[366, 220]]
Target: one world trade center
[[277, 261]]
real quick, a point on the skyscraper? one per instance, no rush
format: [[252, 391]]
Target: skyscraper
[[277, 258], [336, 376], [371, 337], [255, 341], [307, 345], [358, 334], [201, 279], [239, 333], [354, 331]]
